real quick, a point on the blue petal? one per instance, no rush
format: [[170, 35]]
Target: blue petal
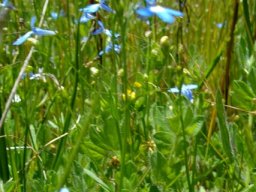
[[185, 90], [23, 38], [97, 31], [100, 29], [109, 48], [190, 86], [165, 14], [144, 12], [54, 15], [165, 17], [151, 2], [101, 53], [5, 2], [91, 8], [100, 24], [117, 48], [187, 93], [42, 32], [108, 32], [220, 25], [105, 7], [32, 22], [64, 190], [174, 12], [86, 17], [173, 90]]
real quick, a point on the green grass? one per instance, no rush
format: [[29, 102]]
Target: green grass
[[109, 124]]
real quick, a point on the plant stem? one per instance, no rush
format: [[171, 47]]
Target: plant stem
[[230, 45], [191, 189], [72, 102]]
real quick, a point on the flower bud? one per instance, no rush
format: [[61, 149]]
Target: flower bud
[[164, 41]]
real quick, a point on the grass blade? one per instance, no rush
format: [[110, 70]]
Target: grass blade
[[97, 179], [4, 171]]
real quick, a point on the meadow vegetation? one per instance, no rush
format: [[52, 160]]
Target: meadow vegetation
[[127, 95]]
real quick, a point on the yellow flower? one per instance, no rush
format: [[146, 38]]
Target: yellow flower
[[130, 94], [137, 84]]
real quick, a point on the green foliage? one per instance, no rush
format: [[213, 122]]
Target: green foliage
[[224, 127]]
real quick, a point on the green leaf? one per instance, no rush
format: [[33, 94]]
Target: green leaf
[[242, 95], [164, 137], [160, 168], [248, 24], [4, 170], [223, 126], [97, 179], [195, 127], [211, 68], [95, 152], [251, 79], [164, 141]]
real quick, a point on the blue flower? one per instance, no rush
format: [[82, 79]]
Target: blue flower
[[110, 46], [86, 17], [56, 15], [220, 25], [93, 8], [64, 189], [185, 90], [165, 14], [102, 29], [34, 76], [6, 4], [34, 31]]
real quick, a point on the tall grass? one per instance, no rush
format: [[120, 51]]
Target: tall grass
[[107, 123]]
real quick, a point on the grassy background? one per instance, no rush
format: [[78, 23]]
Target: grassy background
[[118, 129]]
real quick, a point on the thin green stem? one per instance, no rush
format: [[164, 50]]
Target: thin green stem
[[126, 125], [186, 159], [67, 122], [4, 171]]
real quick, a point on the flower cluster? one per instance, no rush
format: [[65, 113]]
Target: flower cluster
[[88, 14]]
